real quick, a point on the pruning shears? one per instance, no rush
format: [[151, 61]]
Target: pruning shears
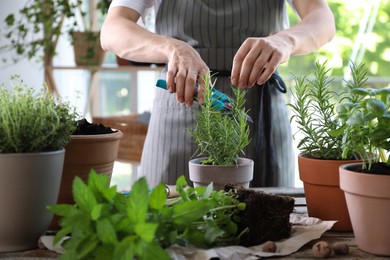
[[220, 100]]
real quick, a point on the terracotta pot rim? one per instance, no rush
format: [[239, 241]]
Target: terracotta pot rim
[[365, 184], [116, 135], [350, 165], [318, 159]]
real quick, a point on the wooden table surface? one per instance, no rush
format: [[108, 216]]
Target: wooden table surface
[[304, 253]]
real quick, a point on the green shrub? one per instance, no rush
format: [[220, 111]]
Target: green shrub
[[33, 121], [221, 135]]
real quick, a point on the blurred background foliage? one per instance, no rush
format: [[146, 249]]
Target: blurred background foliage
[[362, 35]]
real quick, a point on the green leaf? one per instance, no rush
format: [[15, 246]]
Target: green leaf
[[154, 251], [96, 211], [10, 20], [181, 183], [125, 250], [212, 231], [356, 119], [337, 132], [189, 211], [376, 107], [104, 253], [100, 184], [110, 193], [137, 203], [207, 192], [146, 231], [83, 195], [87, 245], [62, 210], [63, 232], [158, 197], [360, 91], [106, 232]]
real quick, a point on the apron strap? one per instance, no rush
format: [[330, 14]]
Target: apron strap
[[274, 80]]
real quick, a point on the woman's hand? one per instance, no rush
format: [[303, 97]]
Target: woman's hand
[[257, 59], [185, 68], [122, 35]]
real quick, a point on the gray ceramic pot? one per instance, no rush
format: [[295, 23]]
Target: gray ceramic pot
[[240, 174], [29, 182]]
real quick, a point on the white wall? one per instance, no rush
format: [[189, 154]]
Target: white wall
[[71, 84], [31, 72]]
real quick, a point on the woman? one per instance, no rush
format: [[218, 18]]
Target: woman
[[244, 41]]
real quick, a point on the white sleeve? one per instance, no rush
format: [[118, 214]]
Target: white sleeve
[[138, 5]]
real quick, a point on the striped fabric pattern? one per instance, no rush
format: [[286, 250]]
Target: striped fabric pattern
[[216, 28]]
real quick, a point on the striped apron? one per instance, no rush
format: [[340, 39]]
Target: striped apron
[[216, 29]]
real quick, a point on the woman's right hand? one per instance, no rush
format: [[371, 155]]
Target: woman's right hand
[[185, 69], [121, 34]]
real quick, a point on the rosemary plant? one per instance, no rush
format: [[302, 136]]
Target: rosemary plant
[[220, 136], [32, 121], [314, 112]]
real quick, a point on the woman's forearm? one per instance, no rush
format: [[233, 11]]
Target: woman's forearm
[[316, 27], [121, 34]]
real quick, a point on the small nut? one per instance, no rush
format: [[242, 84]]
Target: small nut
[[340, 248], [269, 247], [322, 249]]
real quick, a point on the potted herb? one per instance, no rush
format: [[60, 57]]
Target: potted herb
[[314, 111], [105, 224], [85, 37], [366, 132], [91, 146], [34, 129], [221, 136]]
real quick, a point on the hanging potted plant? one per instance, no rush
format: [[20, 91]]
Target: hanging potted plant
[[367, 184], [85, 37], [221, 136], [34, 31], [320, 157], [34, 129]]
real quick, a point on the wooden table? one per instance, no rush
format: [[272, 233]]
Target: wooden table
[[304, 253]]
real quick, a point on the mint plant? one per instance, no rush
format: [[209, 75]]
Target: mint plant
[[220, 136], [33, 121], [105, 224]]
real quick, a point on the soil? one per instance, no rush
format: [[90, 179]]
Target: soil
[[86, 128], [379, 168], [266, 215]]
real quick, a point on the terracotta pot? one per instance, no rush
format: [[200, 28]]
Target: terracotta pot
[[368, 201], [29, 182], [324, 198], [220, 175], [87, 48], [83, 153]]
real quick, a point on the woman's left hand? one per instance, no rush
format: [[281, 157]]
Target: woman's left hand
[[257, 59]]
